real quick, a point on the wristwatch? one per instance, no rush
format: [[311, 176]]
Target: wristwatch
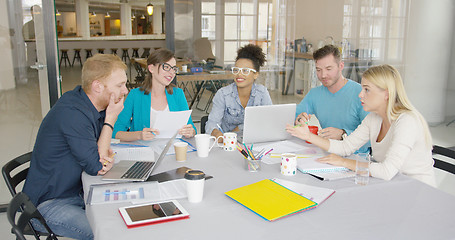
[[344, 135]]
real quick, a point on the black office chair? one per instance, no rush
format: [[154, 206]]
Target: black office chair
[[204, 120], [13, 181], [443, 165], [21, 203]]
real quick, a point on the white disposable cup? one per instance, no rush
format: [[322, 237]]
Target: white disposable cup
[[229, 141], [184, 68], [362, 168], [195, 180], [288, 164], [203, 144]]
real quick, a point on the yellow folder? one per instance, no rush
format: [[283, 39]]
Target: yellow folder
[[270, 200]]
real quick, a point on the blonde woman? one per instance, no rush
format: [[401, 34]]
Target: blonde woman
[[399, 135]]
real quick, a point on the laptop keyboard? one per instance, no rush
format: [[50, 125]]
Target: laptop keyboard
[[138, 171]]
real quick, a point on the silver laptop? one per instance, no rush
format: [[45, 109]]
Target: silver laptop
[[268, 123], [136, 170]]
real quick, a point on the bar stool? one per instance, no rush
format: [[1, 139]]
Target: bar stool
[[77, 55], [101, 50], [89, 53], [64, 57], [114, 51], [135, 53], [146, 53], [125, 55]]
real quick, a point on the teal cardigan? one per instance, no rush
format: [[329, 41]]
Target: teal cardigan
[[136, 110]]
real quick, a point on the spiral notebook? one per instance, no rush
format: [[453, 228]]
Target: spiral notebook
[[311, 165]]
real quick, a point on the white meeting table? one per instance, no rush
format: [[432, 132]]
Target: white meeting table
[[402, 208]]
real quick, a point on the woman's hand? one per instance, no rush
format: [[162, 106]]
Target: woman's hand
[[333, 159], [187, 131], [301, 132], [149, 133]]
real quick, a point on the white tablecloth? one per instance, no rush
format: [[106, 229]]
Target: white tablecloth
[[402, 208]]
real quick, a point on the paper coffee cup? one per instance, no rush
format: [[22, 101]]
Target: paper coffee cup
[[195, 180], [180, 151]]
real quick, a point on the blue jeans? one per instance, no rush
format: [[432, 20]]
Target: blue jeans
[[65, 217]]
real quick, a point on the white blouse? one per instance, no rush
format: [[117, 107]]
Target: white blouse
[[403, 149]]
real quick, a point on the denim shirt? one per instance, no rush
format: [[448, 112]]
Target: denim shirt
[[228, 112]]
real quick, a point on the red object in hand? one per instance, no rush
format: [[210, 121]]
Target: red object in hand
[[314, 130]]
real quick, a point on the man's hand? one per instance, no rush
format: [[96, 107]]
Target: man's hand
[[302, 118], [107, 163], [331, 133], [113, 109]]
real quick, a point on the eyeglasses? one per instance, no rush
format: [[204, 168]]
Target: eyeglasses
[[244, 71], [167, 67]]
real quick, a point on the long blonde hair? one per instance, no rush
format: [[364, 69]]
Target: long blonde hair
[[388, 78]]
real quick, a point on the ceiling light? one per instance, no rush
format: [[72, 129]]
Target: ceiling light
[[93, 14], [107, 15], [58, 13], [150, 9], [142, 17]]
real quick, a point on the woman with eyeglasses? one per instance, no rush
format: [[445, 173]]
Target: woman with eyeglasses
[[230, 102], [157, 94]]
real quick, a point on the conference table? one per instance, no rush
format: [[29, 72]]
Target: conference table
[[402, 208]]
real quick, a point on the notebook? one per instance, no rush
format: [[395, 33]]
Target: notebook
[[270, 200], [127, 170], [311, 165], [267, 123], [316, 194]]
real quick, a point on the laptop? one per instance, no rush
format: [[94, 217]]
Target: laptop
[[268, 123], [136, 170]]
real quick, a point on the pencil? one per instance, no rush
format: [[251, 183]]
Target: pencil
[[106, 162]]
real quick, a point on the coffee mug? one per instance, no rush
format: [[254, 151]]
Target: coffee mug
[[314, 130], [288, 164], [203, 144], [229, 141]]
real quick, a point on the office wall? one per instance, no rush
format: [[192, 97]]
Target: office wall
[[450, 109], [6, 61], [315, 20]]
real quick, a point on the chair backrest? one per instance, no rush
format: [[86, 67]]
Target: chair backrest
[[204, 120], [443, 165], [13, 181], [21, 204], [203, 49]]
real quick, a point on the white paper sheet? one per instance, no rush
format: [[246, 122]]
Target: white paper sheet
[[316, 194], [168, 123]]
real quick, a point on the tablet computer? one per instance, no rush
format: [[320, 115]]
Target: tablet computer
[[152, 213]]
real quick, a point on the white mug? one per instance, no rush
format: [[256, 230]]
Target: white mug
[[288, 164], [229, 141], [203, 145]]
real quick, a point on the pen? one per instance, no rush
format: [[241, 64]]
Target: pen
[[153, 133], [320, 178], [219, 128], [106, 162]]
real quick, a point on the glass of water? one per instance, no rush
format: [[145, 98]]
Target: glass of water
[[362, 169]]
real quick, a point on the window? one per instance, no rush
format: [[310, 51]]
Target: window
[[377, 28]]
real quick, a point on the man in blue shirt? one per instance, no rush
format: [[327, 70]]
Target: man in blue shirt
[[336, 104], [74, 137]]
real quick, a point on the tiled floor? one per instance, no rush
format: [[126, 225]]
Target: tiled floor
[[20, 118]]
